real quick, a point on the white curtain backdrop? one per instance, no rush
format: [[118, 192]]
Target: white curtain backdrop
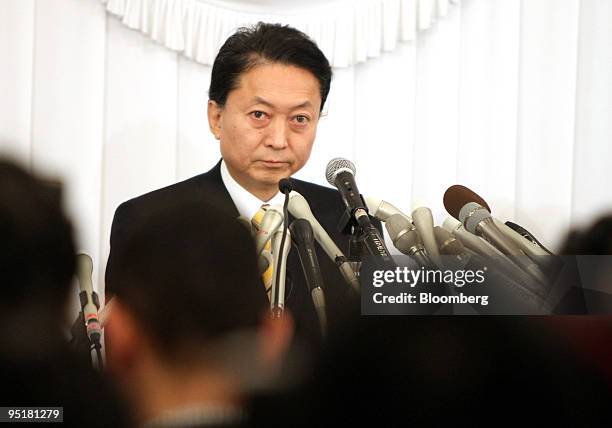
[[510, 98]]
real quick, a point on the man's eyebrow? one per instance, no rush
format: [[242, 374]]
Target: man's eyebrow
[[260, 100]]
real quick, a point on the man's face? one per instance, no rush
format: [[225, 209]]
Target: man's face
[[268, 125]]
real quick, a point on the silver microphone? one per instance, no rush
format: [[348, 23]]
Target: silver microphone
[[406, 238], [89, 298]]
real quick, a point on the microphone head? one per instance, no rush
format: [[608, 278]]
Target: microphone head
[[397, 225], [337, 165], [471, 214], [285, 186], [301, 231], [84, 265], [404, 235], [298, 206], [457, 196], [447, 243]]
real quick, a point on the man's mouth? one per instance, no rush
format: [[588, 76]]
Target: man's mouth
[[272, 163]]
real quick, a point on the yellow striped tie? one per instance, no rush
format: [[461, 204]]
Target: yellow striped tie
[[266, 261]]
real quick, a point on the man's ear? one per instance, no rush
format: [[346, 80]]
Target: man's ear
[[214, 118], [122, 338], [275, 336]]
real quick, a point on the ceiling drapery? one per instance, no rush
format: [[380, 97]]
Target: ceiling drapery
[[348, 31]]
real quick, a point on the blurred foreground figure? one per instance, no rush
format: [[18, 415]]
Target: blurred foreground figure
[[37, 263], [454, 371], [189, 337], [592, 335]]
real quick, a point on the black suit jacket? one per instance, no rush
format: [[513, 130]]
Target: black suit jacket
[[326, 205]]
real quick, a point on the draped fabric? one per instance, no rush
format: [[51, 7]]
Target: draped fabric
[[347, 31], [510, 98]]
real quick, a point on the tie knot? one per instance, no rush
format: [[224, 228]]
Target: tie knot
[[258, 216]]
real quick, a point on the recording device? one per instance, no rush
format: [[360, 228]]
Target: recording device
[[340, 173], [299, 208], [448, 244], [303, 239], [280, 251], [265, 225], [406, 238], [482, 247], [382, 210], [424, 224], [279, 273], [528, 243], [88, 298], [473, 212], [469, 240]]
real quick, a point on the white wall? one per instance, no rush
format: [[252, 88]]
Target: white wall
[[511, 98]]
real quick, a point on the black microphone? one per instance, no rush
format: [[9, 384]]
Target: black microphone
[[278, 284], [302, 236], [285, 186], [340, 173]]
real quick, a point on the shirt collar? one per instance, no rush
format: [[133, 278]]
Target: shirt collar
[[246, 203]]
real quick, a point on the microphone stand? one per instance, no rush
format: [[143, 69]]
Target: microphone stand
[[365, 239]]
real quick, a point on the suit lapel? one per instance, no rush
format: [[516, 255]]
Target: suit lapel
[[213, 191]]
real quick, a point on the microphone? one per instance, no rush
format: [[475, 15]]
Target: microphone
[[280, 252], [497, 275], [266, 224], [303, 239], [382, 210], [341, 174], [424, 224], [481, 247], [528, 243], [448, 244], [89, 299], [279, 274], [406, 238], [285, 186], [299, 208], [471, 242], [471, 210]]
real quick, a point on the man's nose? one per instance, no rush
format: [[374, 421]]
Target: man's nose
[[276, 137]]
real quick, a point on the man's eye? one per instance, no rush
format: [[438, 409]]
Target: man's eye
[[258, 114], [301, 119]]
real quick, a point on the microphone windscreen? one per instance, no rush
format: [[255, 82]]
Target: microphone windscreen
[[336, 165], [457, 196], [285, 186]]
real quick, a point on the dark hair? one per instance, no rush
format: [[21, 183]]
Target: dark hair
[[189, 275], [37, 253], [262, 43]]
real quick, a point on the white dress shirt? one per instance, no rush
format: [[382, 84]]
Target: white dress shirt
[[246, 203]]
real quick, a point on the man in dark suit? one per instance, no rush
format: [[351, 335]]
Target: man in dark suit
[[268, 87]]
